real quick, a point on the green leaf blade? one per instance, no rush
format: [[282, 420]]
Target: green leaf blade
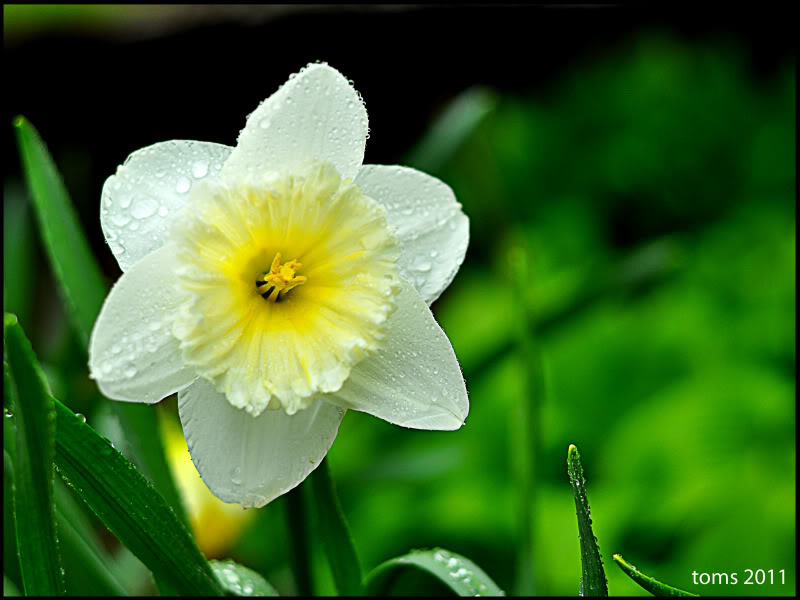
[[130, 507], [593, 577], [653, 586], [73, 263], [34, 514], [457, 572], [334, 534], [241, 581], [83, 558]]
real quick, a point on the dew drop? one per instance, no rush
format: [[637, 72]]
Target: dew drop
[[144, 208], [82, 417], [121, 219], [163, 211], [200, 169], [130, 372], [236, 475], [183, 185]]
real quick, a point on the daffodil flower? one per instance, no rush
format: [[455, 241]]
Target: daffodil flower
[[276, 284]]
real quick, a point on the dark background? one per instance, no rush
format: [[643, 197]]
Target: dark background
[[97, 92]]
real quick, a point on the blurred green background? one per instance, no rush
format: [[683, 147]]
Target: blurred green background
[[629, 285]]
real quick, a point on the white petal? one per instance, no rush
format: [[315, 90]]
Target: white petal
[[316, 115], [415, 381], [149, 189], [133, 355], [425, 216], [253, 460]]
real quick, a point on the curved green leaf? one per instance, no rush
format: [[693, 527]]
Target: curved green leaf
[[593, 577], [334, 535], [34, 515], [241, 581], [653, 586], [130, 507], [458, 573]]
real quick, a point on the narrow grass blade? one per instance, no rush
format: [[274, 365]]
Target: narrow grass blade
[[19, 274], [34, 517], [130, 507], [451, 129], [653, 586], [81, 280], [84, 288], [10, 553], [334, 534], [458, 573], [241, 581], [525, 418], [593, 577]]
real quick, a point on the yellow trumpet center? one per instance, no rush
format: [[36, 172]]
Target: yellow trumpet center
[[280, 279], [269, 345]]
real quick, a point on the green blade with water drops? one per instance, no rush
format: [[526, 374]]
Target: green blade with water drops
[[653, 586], [84, 288], [238, 580], [87, 567], [457, 572], [593, 576], [34, 505], [109, 484], [334, 534], [131, 508]]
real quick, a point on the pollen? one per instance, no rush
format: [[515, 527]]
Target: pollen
[[280, 279]]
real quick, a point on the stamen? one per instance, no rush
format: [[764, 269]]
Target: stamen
[[280, 279]]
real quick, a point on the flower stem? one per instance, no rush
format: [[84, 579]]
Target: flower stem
[[525, 425], [297, 517], [334, 533]]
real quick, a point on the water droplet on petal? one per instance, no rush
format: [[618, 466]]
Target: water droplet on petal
[[236, 475], [144, 208], [183, 185], [121, 219], [200, 169]]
